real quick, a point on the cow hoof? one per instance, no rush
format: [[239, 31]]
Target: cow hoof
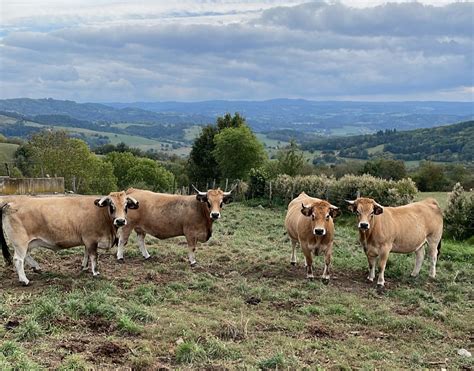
[[120, 260], [293, 263], [310, 278], [147, 257], [380, 288], [370, 280], [193, 264], [325, 281], [37, 270], [24, 283]]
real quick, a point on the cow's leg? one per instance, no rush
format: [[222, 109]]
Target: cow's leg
[[383, 257], [293, 252], [123, 235], [19, 258], [191, 250], [141, 244], [92, 250], [32, 263], [371, 259], [85, 260], [433, 246], [419, 256], [309, 262], [327, 265]]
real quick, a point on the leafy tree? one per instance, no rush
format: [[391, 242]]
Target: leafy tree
[[430, 177], [237, 151], [290, 160], [140, 172], [53, 153], [203, 165], [386, 168]]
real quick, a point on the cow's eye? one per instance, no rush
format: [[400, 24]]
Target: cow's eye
[[357, 212], [112, 208], [313, 217], [208, 204], [327, 217], [222, 204]]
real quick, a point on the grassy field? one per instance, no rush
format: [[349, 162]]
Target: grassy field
[[244, 306], [7, 150]]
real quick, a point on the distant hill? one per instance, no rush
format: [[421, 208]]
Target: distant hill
[[444, 143], [329, 118], [284, 115]]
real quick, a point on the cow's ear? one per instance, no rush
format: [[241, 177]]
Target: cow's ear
[[306, 210], [334, 211], [201, 197], [132, 203], [102, 202], [227, 199], [378, 209], [352, 206]]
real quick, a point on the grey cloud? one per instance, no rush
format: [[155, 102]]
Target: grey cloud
[[396, 19]]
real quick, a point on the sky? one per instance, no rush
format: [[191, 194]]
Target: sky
[[160, 50]]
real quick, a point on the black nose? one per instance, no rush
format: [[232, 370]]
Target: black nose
[[215, 215], [319, 231], [364, 226], [120, 222]]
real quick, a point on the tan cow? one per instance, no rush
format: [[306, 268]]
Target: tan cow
[[62, 222], [165, 215], [309, 222], [402, 229]]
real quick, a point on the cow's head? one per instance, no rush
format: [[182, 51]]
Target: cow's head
[[320, 212], [214, 199], [366, 209], [118, 203]]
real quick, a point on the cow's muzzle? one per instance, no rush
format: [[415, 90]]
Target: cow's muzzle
[[364, 226], [119, 222], [319, 231], [215, 216]]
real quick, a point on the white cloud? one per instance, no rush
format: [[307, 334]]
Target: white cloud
[[193, 50]]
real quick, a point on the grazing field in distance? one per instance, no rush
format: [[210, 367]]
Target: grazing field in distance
[[243, 306]]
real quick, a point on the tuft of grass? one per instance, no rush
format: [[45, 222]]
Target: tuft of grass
[[74, 362], [29, 330], [272, 363], [127, 326], [137, 313], [190, 352], [147, 294]]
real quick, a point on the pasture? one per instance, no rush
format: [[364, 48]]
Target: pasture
[[244, 306]]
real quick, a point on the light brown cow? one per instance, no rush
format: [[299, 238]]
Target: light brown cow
[[402, 229], [165, 215], [309, 222], [62, 222]]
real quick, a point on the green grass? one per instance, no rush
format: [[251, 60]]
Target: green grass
[[441, 197], [7, 150], [244, 306]]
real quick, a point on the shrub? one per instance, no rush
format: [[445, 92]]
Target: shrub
[[459, 214], [386, 192]]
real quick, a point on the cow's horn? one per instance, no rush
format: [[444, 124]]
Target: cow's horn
[[350, 202], [234, 187], [198, 191]]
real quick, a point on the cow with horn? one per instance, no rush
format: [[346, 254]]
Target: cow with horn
[[167, 215]]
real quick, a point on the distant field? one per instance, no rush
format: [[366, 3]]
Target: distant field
[[350, 130], [243, 307], [441, 197]]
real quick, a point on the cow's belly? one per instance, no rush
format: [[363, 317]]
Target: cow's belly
[[53, 245], [408, 245]]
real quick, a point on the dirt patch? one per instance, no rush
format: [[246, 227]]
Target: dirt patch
[[111, 350], [100, 325], [319, 331], [73, 345]]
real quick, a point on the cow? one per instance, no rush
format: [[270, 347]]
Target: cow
[[402, 229], [309, 223], [167, 215], [60, 223]]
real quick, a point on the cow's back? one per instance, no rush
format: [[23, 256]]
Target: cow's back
[[65, 221], [411, 224], [164, 215]]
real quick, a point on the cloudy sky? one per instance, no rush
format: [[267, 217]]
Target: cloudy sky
[[152, 50]]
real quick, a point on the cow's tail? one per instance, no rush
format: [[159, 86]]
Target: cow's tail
[[5, 251], [439, 248]]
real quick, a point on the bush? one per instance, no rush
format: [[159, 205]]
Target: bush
[[459, 214], [386, 192]]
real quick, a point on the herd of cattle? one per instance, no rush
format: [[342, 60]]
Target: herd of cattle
[[64, 222]]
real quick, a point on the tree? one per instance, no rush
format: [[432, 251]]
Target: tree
[[290, 160], [237, 151], [430, 177], [140, 172], [386, 168], [202, 163], [53, 153]]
